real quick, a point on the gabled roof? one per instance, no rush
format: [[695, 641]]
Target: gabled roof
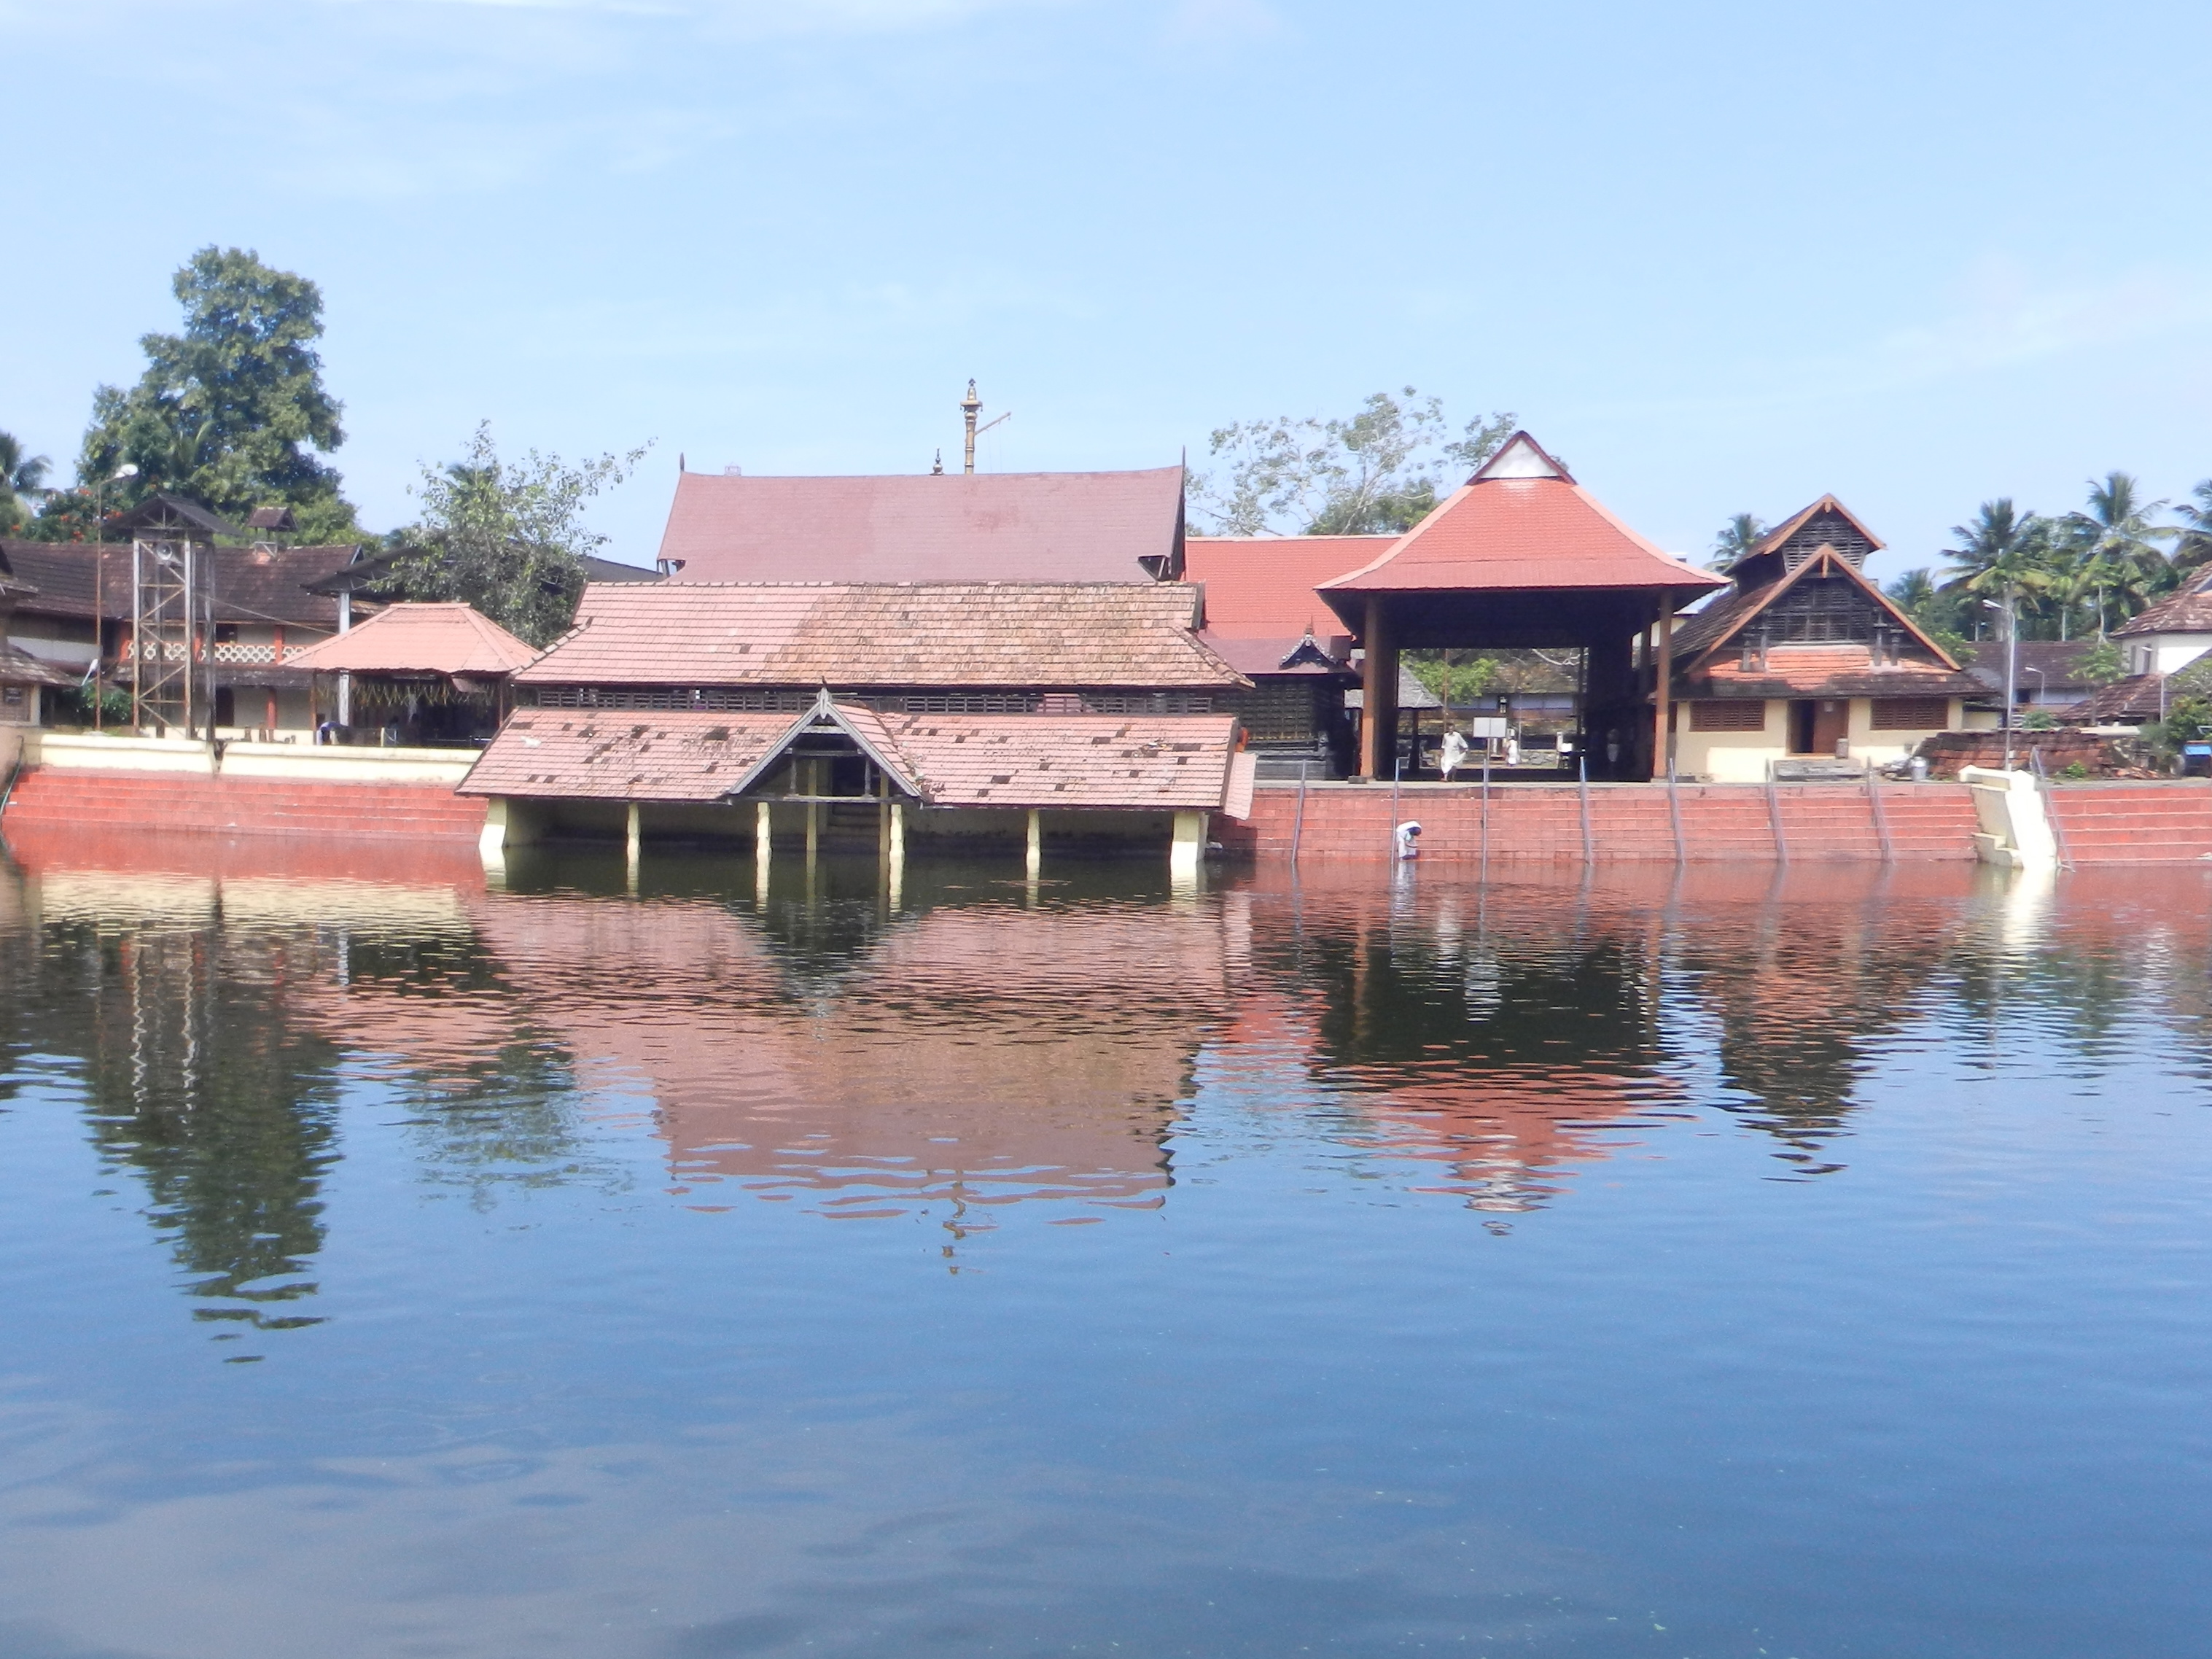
[[160, 509], [2186, 611], [1714, 627], [983, 526], [419, 638], [1775, 540], [885, 634], [1522, 523], [1151, 761]]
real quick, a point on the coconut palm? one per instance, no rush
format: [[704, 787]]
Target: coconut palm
[[1737, 538], [22, 477], [2115, 528], [2195, 546], [2004, 554]]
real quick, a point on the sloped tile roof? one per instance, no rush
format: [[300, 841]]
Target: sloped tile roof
[[1157, 762], [998, 527], [2186, 612], [573, 754], [1252, 656], [20, 668], [1521, 532], [419, 638], [1827, 670], [854, 635], [2128, 702], [248, 585], [1262, 587]]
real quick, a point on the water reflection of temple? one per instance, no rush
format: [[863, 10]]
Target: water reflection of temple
[[999, 1044]]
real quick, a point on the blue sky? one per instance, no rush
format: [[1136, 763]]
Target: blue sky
[[1720, 256]]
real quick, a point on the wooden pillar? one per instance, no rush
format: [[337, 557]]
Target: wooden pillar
[[1662, 687], [1378, 713], [1033, 866]]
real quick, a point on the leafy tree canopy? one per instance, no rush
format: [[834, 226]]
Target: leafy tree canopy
[[505, 538], [1373, 472], [232, 412], [23, 479]]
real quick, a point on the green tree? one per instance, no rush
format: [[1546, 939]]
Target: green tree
[[2113, 542], [1737, 538], [507, 538], [1375, 472], [23, 478], [232, 412], [2101, 664], [2194, 548], [2003, 555]]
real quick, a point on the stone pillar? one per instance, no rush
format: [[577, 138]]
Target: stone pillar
[[1033, 865], [1378, 714], [633, 840], [897, 853], [762, 844], [1188, 850]]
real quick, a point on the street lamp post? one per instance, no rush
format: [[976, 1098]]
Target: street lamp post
[[2012, 665]]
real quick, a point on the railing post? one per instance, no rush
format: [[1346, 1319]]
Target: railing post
[[1589, 845], [1774, 818]]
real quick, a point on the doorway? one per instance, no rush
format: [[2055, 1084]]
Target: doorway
[[1817, 724]]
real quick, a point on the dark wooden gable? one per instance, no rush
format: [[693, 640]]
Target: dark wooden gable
[[1825, 600]]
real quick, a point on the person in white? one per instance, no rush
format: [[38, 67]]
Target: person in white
[[1407, 839], [1454, 753]]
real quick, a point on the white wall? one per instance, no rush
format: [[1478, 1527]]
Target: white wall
[[1744, 757]]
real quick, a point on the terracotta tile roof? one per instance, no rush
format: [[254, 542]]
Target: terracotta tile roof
[[2187, 611], [565, 754], [1262, 587], [1153, 761], [854, 635], [1158, 760], [419, 638], [1000, 526], [1827, 671], [247, 584], [2130, 702], [1521, 522], [2055, 665]]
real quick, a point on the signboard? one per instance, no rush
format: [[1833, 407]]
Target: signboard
[[1487, 726]]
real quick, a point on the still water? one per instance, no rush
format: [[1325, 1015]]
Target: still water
[[1798, 1264]]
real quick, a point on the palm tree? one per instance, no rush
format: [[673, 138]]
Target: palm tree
[[1737, 538], [1914, 592], [2116, 534], [2003, 554], [2194, 547], [22, 477]]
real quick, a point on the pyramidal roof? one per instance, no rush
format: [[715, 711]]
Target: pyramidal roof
[[1523, 522], [419, 638]]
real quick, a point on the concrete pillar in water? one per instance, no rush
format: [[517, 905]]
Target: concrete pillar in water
[[1035, 865], [631, 846], [762, 845], [1186, 851], [897, 855]]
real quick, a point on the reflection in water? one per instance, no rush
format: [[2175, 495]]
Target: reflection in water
[[989, 1044], [544, 1177]]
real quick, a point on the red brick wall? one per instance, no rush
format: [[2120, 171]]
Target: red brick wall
[[1720, 822], [49, 797]]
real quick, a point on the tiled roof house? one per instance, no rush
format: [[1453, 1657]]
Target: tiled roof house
[[1805, 657]]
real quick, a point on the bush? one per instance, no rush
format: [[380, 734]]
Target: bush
[[2074, 771]]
